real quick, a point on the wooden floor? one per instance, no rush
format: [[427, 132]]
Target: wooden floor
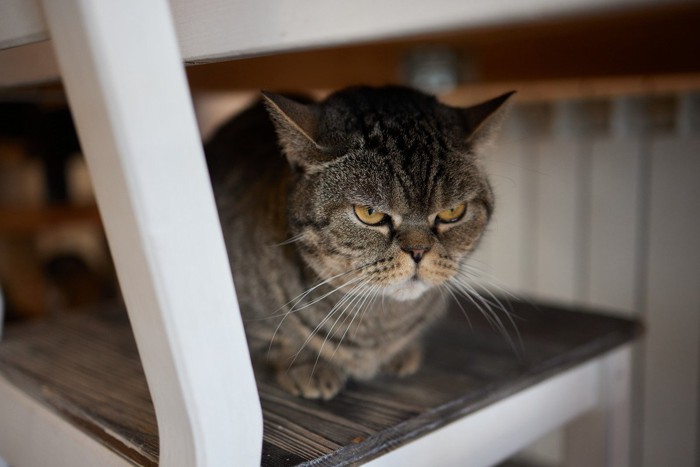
[[86, 368]]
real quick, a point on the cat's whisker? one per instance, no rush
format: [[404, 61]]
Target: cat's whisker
[[441, 289], [492, 301], [304, 294], [336, 307], [351, 310], [376, 293], [324, 282], [483, 308], [507, 311], [329, 334], [293, 310], [470, 292], [489, 311], [290, 240], [348, 303], [459, 304], [360, 309], [490, 280], [328, 315]]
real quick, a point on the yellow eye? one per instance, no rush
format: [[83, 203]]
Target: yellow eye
[[369, 215], [452, 215]]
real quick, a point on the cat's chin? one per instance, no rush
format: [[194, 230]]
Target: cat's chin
[[407, 290]]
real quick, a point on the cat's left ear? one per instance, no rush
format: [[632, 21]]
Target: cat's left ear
[[297, 126], [480, 121]]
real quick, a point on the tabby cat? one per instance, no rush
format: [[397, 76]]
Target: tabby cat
[[343, 219]]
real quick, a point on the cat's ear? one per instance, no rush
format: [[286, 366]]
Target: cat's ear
[[297, 129], [480, 121]]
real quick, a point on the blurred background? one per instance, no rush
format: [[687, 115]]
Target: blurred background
[[596, 171]]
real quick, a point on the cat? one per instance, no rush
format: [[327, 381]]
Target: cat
[[343, 219]]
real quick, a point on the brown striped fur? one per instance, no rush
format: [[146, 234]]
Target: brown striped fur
[[324, 296]]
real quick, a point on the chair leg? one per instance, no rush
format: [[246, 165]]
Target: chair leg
[[601, 437], [123, 73]]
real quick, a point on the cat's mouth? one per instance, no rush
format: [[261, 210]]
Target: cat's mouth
[[409, 289]]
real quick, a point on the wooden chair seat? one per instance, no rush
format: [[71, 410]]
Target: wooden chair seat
[[86, 368]]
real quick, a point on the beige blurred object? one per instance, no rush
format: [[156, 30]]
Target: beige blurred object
[[52, 257], [21, 274], [22, 277]]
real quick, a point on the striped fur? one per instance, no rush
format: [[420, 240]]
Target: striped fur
[[324, 296]]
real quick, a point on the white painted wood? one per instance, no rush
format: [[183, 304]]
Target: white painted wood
[[558, 218], [205, 26], [672, 308], [547, 451], [283, 25], [205, 32], [501, 429], [21, 22], [32, 435], [129, 96], [615, 212], [273, 26], [221, 29], [601, 438], [616, 398]]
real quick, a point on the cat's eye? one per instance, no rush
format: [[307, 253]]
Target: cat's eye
[[369, 215], [452, 215]]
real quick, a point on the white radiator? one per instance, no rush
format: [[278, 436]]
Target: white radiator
[[598, 205]]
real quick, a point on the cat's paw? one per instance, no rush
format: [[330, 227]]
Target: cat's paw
[[406, 362], [312, 381]]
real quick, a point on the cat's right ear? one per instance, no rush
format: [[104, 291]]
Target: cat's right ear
[[297, 129], [480, 121]]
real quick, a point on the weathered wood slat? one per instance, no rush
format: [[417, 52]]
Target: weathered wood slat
[[86, 367]]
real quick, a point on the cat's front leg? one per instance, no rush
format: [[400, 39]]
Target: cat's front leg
[[406, 362], [308, 375], [312, 379]]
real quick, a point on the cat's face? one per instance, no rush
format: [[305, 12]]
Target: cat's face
[[389, 196], [363, 213]]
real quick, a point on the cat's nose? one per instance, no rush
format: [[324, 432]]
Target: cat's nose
[[416, 253]]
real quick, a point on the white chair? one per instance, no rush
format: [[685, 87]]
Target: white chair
[[121, 65]]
